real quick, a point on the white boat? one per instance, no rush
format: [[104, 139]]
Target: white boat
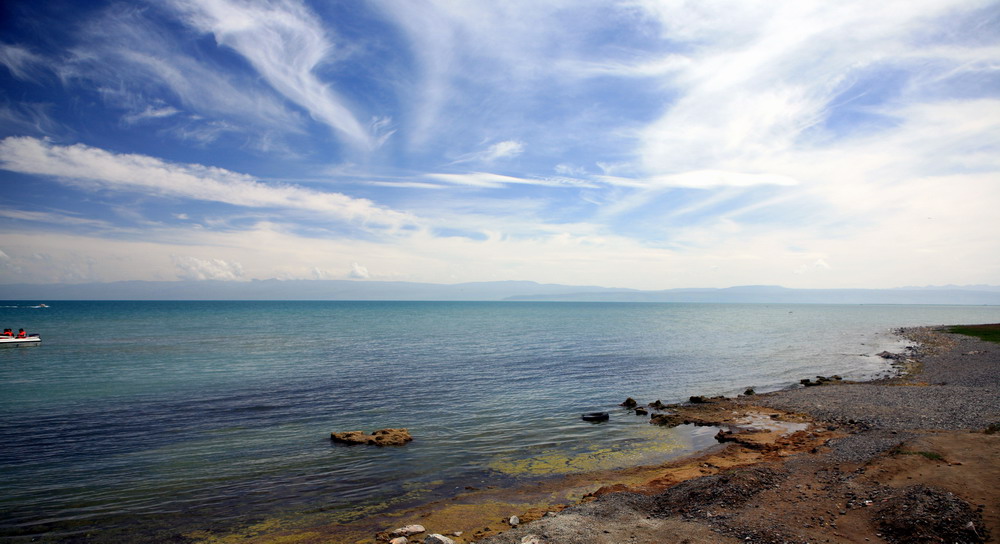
[[11, 342]]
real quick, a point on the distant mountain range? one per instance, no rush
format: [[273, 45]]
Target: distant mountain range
[[486, 291]]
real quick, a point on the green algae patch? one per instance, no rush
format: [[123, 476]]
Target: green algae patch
[[989, 333], [558, 462]]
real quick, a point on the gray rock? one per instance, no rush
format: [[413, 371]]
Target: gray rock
[[408, 530], [438, 539]]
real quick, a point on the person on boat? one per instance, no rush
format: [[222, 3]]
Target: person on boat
[[21, 333], [7, 332]]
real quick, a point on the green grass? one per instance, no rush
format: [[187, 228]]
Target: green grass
[[990, 333]]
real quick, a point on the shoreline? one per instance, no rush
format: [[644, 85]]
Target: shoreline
[[859, 448]]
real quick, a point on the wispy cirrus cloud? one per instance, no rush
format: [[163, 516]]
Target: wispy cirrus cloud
[[53, 217], [488, 180], [285, 43], [94, 168], [23, 63], [500, 150], [137, 67]]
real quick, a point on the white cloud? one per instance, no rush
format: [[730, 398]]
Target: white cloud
[[94, 168], [285, 42], [193, 268], [755, 84], [359, 272]]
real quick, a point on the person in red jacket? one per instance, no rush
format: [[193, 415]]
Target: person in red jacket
[[21, 333], [7, 332]]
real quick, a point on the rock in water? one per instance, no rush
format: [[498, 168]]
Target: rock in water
[[382, 437], [629, 403]]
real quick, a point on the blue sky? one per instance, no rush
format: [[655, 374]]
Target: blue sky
[[647, 144]]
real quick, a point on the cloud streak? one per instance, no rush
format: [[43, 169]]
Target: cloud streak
[[94, 168]]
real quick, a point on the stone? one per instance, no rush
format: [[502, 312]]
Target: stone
[[630, 403], [382, 437], [438, 539], [749, 391], [408, 530], [531, 539], [514, 521], [700, 399], [640, 411], [667, 419], [399, 540], [658, 405]]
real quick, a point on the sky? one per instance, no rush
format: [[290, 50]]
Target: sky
[[649, 144]]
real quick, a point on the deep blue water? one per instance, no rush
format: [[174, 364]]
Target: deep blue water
[[188, 414]]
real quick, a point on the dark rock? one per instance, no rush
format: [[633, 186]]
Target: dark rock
[[667, 419], [725, 436], [596, 416], [382, 437], [749, 391], [640, 411], [629, 403], [658, 405]]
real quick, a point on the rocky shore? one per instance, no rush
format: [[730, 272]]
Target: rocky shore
[[911, 458]]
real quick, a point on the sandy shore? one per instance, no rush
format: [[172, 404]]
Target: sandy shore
[[899, 460]]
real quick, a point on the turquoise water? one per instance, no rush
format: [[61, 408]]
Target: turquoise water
[[183, 415]]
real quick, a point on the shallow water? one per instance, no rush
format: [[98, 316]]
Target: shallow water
[[186, 415]]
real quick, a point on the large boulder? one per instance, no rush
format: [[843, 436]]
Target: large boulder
[[382, 437]]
